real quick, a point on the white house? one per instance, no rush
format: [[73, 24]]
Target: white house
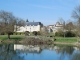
[[55, 28], [30, 26]]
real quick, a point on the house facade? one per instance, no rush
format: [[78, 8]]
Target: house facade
[[55, 28], [30, 27]]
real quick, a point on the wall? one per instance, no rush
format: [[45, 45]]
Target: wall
[[27, 28]]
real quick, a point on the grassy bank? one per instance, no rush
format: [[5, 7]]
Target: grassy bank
[[12, 37], [66, 39], [20, 37]]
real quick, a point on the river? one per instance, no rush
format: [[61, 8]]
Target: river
[[38, 52]]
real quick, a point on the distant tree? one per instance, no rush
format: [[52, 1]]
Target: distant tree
[[69, 26], [61, 21], [59, 33], [70, 34], [7, 22], [18, 23], [21, 22], [44, 30], [76, 15], [27, 20]]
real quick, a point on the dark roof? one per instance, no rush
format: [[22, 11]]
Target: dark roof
[[33, 23]]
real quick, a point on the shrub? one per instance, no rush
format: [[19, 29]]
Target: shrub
[[11, 33], [38, 33], [35, 33], [27, 33], [70, 34], [2, 33], [18, 33], [60, 33]]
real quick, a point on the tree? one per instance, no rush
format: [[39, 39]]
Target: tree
[[44, 30], [21, 22], [61, 21], [27, 20], [18, 23], [76, 15], [7, 21], [69, 26]]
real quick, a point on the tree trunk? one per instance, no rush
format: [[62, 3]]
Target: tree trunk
[[8, 36]]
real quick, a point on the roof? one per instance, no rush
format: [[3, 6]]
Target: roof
[[50, 25], [33, 23]]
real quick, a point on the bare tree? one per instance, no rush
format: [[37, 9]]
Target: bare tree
[[7, 22], [76, 15], [18, 23], [21, 22], [69, 26], [61, 21]]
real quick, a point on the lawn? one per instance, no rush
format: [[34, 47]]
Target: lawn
[[66, 39], [58, 39], [12, 37]]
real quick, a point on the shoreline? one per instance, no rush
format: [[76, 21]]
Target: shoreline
[[38, 42]]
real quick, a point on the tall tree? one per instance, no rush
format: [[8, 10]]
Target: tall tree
[[69, 26], [61, 21], [76, 15], [7, 21]]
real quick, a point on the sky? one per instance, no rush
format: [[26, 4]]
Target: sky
[[46, 11]]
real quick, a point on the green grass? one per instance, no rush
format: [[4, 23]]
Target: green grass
[[12, 37], [58, 39], [66, 39]]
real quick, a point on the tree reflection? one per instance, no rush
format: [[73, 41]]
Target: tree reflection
[[76, 56], [64, 50], [7, 52]]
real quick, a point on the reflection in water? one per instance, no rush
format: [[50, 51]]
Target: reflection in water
[[38, 52], [27, 48]]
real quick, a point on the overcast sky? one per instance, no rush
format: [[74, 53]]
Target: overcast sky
[[46, 11]]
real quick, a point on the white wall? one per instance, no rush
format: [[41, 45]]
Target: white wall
[[21, 29], [28, 28]]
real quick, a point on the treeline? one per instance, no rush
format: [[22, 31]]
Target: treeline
[[7, 22], [67, 34], [71, 28]]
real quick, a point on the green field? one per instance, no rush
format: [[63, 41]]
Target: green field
[[12, 37], [66, 39]]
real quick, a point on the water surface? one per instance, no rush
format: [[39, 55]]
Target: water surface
[[38, 52]]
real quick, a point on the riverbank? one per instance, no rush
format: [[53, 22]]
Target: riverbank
[[38, 40]]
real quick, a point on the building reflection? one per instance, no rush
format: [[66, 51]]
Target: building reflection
[[39, 48], [27, 48]]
